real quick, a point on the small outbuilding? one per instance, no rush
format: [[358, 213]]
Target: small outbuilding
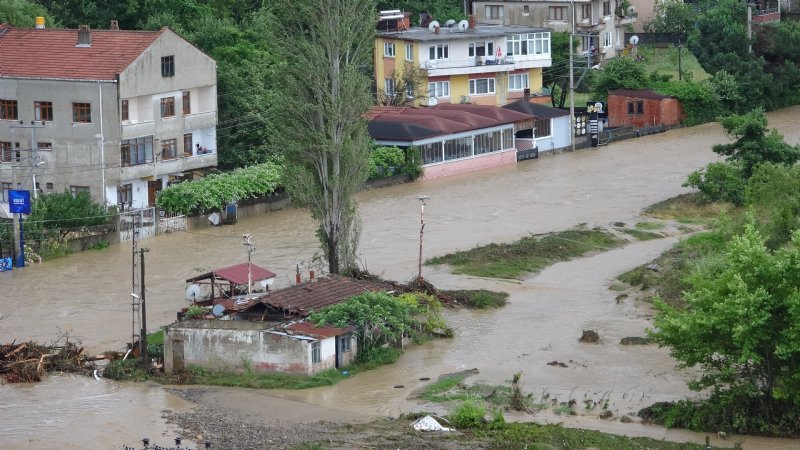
[[551, 127], [642, 108]]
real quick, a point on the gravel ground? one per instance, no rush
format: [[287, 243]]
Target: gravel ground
[[227, 428]]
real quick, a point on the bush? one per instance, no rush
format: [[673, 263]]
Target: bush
[[385, 161], [469, 414], [699, 100], [719, 182]]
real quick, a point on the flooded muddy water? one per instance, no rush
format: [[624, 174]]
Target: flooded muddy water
[[87, 294]]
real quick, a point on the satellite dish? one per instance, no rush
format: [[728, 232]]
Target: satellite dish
[[450, 23], [218, 310], [463, 25], [433, 25], [632, 10], [193, 292], [634, 40]]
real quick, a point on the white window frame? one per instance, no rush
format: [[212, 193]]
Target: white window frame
[[439, 89], [409, 52], [316, 352], [490, 9], [388, 49], [518, 81], [490, 86], [608, 40], [526, 10], [528, 44], [388, 86], [438, 51], [473, 46]]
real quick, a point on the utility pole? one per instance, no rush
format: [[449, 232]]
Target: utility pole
[[571, 82], [421, 199], [143, 337], [749, 26], [33, 158], [250, 250]]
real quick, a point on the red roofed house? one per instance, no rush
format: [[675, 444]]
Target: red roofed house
[[117, 113], [451, 138], [268, 332], [642, 108]]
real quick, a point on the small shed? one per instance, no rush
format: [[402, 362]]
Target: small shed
[[551, 128], [642, 108]]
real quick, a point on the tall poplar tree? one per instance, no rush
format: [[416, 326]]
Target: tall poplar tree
[[326, 47]]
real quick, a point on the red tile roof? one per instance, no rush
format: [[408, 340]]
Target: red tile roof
[[236, 274], [439, 120], [302, 299], [638, 93], [52, 53]]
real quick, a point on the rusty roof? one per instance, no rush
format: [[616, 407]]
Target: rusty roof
[[311, 330], [303, 299], [236, 274], [411, 124], [53, 53]]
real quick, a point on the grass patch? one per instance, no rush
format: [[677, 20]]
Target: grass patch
[[529, 254], [436, 391], [650, 225], [479, 298], [641, 234], [665, 62], [691, 209]]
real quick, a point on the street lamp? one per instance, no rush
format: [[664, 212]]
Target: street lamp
[[421, 199]]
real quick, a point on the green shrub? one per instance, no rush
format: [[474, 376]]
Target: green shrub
[[719, 182], [385, 161], [469, 414]]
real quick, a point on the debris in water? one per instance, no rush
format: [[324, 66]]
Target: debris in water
[[557, 363], [590, 337]]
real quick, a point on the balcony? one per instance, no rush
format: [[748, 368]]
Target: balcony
[[163, 167], [138, 129], [591, 26], [479, 64], [622, 21], [200, 120]]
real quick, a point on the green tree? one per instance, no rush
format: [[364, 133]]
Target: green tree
[[672, 17], [22, 13], [774, 193], [618, 73], [319, 123], [557, 76], [719, 182], [699, 101], [410, 85], [754, 143], [741, 326]]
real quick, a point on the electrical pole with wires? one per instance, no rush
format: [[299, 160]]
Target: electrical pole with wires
[[250, 249]]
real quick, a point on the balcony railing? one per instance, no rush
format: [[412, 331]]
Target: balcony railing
[[465, 62]]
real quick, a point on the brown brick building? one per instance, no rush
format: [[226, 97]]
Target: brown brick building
[[642, 108]]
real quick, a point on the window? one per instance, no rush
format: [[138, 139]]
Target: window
[[123, 111], [636, 107], [136, 151], [526, 10], [388, 49], [586, 12], [81, 113], [528, 44], [607, 8], [439, 89], [187, 103], [125, 195], [558, 13], [316, 352], [518, 82], [75, 190], [168, 66], [49, 186], [388, 86], [493, 12], [8, 109], [187, 144], [430, 153], [169, 149], [43, 111], [409, 52], [542, 128], [488, 142], [481, 48], [44, 145], [168, 107], [481, 86], [457, 148], [5, 189], [346, 343], [440, 51], [607, 39], [8, 155]]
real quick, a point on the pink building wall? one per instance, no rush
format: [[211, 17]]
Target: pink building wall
[[444, 169]]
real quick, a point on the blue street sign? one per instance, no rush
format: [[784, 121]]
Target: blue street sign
[[20, 201]]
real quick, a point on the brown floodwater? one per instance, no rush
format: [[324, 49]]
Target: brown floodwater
[[87, 295]]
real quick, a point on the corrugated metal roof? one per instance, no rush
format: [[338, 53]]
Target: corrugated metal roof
[[309, 329], [302, 299], [236, 274], [537, 110], [53, 53]]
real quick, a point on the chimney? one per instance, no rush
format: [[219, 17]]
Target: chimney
[[114, 25], [311, 275], [471, 20], [40, 23], [84, 36]]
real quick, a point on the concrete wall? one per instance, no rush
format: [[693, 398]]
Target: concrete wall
[[227, 344], [484, 161], [75, 158]]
